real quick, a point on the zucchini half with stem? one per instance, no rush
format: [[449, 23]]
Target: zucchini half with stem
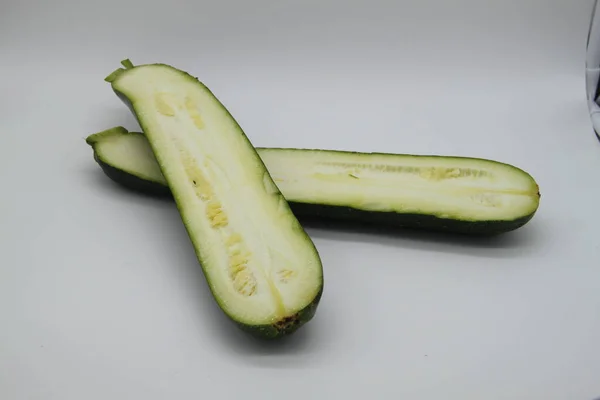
[[262, 268], [453, 194]]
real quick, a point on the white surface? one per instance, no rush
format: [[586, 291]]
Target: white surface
[[100, 293]]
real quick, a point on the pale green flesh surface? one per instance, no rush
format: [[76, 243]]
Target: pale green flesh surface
[[448, 187], [462, 188], [260, 264], [132, 153]]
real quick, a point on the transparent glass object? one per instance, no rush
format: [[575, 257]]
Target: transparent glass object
[[592, 69]]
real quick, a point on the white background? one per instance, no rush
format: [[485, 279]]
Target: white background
[[101, 296]]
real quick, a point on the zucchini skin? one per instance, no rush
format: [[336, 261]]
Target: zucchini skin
[[423, 222], [276, 330], [132, 182], [285, 327]]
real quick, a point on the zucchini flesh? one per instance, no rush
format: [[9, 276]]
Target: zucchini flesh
[[262, 268], [453, 194]]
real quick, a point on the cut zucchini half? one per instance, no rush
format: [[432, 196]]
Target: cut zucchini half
[[453, 194], [127, 158], [262, 268]]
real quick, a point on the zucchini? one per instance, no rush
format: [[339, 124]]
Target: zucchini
[[127, 158], [452, 194], [262, 268]]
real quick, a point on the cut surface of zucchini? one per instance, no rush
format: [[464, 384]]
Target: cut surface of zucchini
[[262, 268], [455, 194]]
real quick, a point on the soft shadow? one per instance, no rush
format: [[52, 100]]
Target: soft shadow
[[294, 351], [95, 175], [509, 244]]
